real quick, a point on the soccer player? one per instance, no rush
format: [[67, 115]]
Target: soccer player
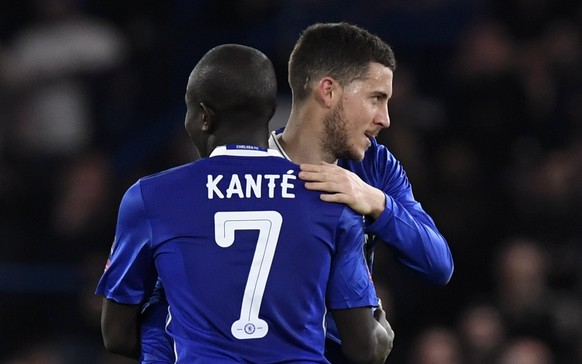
[[247, 256], [341, 79]]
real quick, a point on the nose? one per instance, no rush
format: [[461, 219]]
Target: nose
[[383, 117]]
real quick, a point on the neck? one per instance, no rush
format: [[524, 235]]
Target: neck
[[303, 135]]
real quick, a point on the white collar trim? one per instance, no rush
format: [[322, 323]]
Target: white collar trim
[[275, 145], [242, 152]]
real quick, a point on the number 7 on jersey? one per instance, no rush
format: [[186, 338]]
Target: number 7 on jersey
[[249, 325]]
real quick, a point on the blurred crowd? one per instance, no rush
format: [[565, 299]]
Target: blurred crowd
[[486, 118]]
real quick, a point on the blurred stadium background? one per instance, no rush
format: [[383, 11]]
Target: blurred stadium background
[[486, 118]]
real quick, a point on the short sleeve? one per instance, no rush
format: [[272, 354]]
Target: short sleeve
[[130, 274]]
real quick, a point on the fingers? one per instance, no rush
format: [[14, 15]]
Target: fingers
[[337, 183], [322, 167], [321, 173], [314, 176], [335, 197], [379, 310], [330, 192], [379, 314], [310, 167]]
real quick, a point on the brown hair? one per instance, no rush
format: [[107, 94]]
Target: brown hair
[[339, 50]]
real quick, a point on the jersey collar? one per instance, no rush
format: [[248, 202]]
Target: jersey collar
[[242, 150], [275, 145]]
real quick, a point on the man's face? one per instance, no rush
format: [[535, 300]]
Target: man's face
[[360, 114]]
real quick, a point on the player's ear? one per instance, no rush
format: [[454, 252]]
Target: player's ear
[[327, 89], [207, 118]]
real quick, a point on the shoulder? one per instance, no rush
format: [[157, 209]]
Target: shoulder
[[378, 165], [349, 219], [169, 173], [285, 163], [378, 153], [167, 178], [148, 187]]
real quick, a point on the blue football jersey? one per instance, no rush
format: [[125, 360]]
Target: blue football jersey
[[247, 256], [404, 226], [157, 346]]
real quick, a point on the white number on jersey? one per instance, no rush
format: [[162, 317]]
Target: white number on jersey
[[249, 325]]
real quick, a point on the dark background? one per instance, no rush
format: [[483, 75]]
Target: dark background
[[486, 118]]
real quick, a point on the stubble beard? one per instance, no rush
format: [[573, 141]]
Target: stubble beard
[[335, 140]]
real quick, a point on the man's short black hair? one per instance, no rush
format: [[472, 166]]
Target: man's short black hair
[[233, 78], [339, 50]]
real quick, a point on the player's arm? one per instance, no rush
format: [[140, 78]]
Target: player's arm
[[120, 328], [365, 338], [404, 225], [396, 217], [156, 344], [129, 277]]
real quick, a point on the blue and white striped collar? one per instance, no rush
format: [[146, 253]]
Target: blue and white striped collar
[[243, 150]]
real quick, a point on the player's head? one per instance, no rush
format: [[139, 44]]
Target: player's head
[[230, 97], [349, 71]]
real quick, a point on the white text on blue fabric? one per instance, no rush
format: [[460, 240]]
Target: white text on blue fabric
[[251, 186]]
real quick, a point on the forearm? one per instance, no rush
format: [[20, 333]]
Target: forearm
[[416, 240], [128, 347], [120, 329]]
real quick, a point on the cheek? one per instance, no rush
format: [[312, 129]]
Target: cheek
[[361, 118], [358, 115]]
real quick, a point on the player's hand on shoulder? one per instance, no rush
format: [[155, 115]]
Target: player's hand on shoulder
[[343, 186]]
